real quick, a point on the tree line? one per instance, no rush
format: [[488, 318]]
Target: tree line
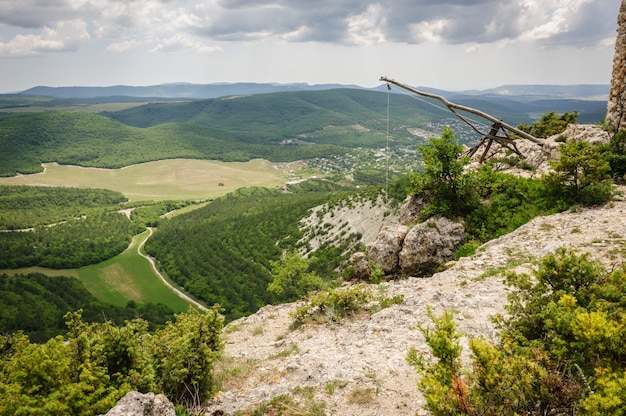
[[221, 253], [36, 304]]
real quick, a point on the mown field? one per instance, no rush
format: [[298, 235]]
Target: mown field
[[128, 276], [177, 179], [118, 280]]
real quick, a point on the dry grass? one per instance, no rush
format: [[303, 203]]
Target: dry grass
[[162, 180]]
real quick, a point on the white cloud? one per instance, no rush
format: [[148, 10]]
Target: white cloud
[[122, 46], [64, 36], [366, 28], [429, 31], [182, 42], [200, 25]]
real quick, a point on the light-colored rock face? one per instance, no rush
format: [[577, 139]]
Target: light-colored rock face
[[367, 353], [539, 158], [139, 404], [384, 251], [430, 244], [616, 108], [361, 266], [416, 250]]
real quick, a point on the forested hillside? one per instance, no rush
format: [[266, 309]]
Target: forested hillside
[[222, 253], [282, 126], [37, 303], [277, 127], [67, 228]]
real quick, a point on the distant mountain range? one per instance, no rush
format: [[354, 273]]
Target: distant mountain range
[[594, 92], [176, 90]]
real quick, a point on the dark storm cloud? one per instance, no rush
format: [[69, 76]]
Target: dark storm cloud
[[172, 24], [416, 21], [34, 13]]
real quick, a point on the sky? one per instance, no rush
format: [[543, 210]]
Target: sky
[[448, 44]]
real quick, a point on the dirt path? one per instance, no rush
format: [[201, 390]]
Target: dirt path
[[178, 293]]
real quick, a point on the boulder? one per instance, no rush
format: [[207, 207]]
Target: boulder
[[430, 244], [140, 404], [384, 250], [361, 266]]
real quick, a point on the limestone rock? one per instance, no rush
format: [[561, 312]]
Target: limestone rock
[[361, 265], [384, 250], [615, 114], [539, 158], [140, 404], [410, 213], [430, 244]]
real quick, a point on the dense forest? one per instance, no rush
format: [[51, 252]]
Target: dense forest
[[36, 304], [68, 228], [221, 253], [31, 206]]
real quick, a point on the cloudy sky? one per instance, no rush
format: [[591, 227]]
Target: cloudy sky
[[450, 44]]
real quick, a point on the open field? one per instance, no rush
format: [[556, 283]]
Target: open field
[[172, 179], [128, 277], [125, 277], [83, 108]]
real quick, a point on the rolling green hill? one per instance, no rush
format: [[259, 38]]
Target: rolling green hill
[[221, 253], [283, 126]]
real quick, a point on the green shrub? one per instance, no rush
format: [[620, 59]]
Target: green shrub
[[559, 350], [89, 370], [550, 124]]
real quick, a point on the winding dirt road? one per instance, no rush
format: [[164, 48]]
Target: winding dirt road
[[160, 276]]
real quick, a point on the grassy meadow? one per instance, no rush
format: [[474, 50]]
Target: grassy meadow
[[125, 277], [174, 179], [128, 276]]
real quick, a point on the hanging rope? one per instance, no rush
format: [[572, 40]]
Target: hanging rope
[[387, 148]]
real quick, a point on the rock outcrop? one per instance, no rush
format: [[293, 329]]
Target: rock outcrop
[[385, 249], [418, 250], [140, 404], [358, 366], [616, 108], [537, 159], [429, 245]]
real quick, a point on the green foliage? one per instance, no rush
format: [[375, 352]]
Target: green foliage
[[615, 155], [185, 352], [581, 174], [291, 277], [32, 206], [36, 304], [61, 227], [504, 202], [451, 191], [441, 378], [560, 349], [467, 250], [88, 371], [508, 201], [550, 124], [332, 304], [221, 253], [149, 215], [73, 243]]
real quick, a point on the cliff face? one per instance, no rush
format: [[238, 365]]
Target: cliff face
[[358, 366], [616, 109]]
